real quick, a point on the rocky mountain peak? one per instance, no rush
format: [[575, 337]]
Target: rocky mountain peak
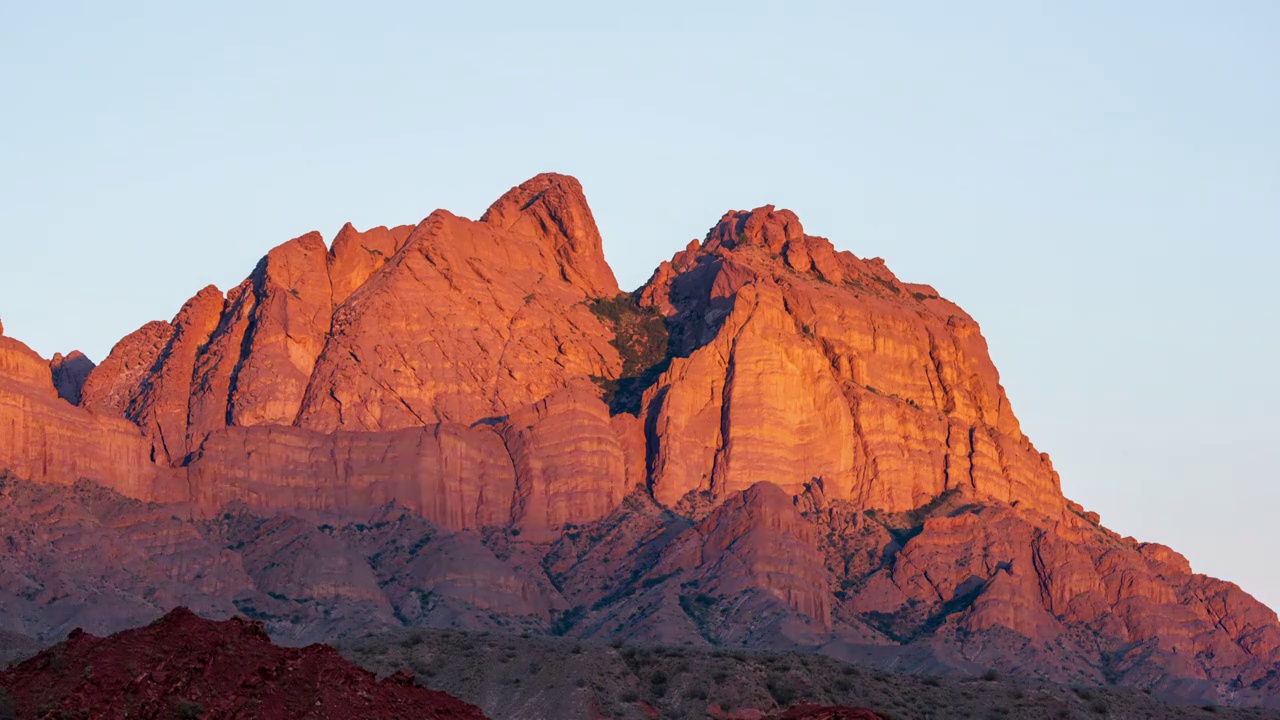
[[807, 450], [553, 209], [69, 374], [762, 227]]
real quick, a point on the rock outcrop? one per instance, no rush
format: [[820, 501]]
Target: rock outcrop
[[770, 443], [552, 210], [69, 374], [1073, 600], [464, 324], [456, 476], [118, 380], [570, 465], [755, 540], [185, 666], [798, 362], [83, 556], [43, 437]]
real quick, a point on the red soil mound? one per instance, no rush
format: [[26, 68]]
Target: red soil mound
[[187, 667], [826, 712]]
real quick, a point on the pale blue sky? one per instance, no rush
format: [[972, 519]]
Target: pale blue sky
[[1098, 183]]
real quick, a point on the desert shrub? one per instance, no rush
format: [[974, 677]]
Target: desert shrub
[[641, 339], [565, 621], [188, 710], [780, 690]]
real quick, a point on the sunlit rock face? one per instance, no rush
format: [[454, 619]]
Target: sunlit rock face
[[800, 363], [465, 423]]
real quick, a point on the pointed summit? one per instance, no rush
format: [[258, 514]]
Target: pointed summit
[[553, 209]]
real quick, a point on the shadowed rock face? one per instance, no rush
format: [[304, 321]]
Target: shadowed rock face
[[463, 422], [69, 374], [186, 666]]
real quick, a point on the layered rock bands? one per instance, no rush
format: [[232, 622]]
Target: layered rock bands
[[769, 439]]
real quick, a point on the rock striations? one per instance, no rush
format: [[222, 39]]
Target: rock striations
[[466, 423]]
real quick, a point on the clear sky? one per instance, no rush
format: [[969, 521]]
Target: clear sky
[[1098, 183]]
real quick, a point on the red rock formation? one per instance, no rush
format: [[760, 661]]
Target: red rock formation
[[825, 455], [69, 374], [756, 404], [160, 405], [804, 363], [978, 569], [756, 539], [465, 323], [455, 476], [43, 437], [444, 325], [356, 255], [552, 209], [118, 380], [21, 365], [570, 466], [186, 666], [292, 308]]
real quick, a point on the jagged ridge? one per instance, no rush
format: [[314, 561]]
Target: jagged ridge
[[789, 473]]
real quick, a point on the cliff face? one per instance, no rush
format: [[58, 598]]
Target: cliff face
[[798, 362], [770, 442], [43, 437]]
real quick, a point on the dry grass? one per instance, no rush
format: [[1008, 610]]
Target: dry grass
[[534, 677]]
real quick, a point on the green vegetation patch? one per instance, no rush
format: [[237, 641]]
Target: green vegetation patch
[[641, 338]]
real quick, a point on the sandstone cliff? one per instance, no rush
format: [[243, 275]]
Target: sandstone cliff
[[798, 362], [464, 422]]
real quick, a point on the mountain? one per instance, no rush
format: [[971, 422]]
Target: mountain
[[187, 667], [463, 423]]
